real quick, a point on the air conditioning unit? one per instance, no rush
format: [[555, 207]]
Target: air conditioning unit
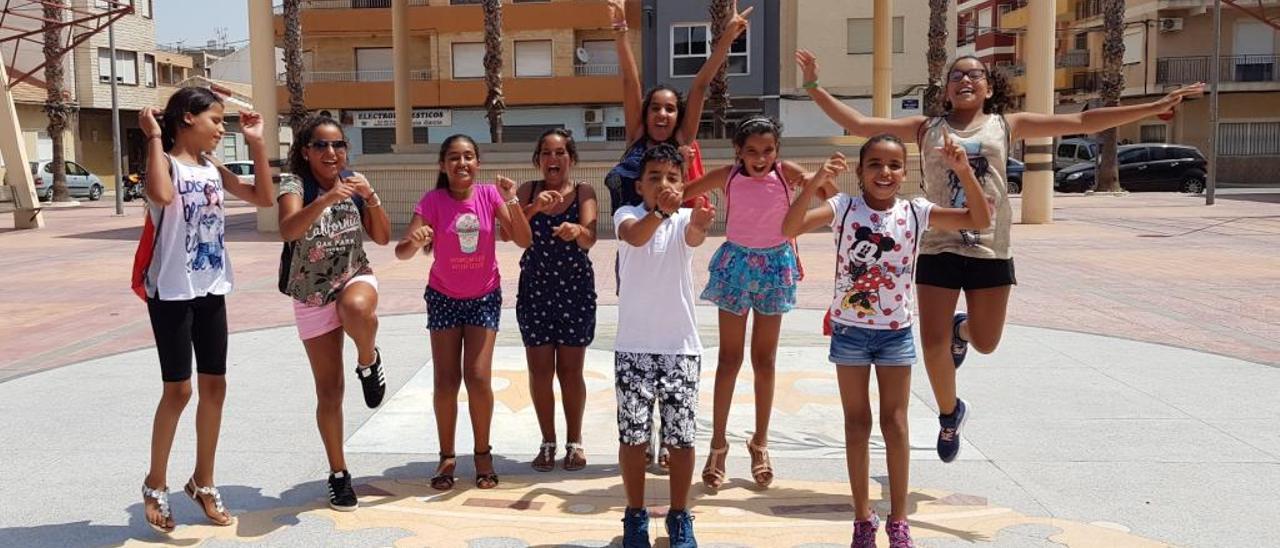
[[593, 116], [335, 113], [1170, 24]]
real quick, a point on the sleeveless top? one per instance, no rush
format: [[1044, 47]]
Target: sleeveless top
[[756, 207], [621, 180], [988, 149], [547, 251], [190, 257]]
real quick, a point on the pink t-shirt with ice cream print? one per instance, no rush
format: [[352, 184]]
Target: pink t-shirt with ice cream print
[[465, 266]]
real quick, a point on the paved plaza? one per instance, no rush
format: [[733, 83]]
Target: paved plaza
[[1131, 403]]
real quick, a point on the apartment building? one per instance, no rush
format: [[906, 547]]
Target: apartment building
[[560, 69], [979, 31], [1169, 43], [840, 34]]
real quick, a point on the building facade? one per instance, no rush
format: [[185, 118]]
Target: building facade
[[979, 30], [839, 33], [560, 69]]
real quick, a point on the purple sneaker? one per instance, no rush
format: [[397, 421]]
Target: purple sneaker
[[864, 532], [899, 534]]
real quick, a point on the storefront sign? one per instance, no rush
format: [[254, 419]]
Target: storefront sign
[[434, 117]]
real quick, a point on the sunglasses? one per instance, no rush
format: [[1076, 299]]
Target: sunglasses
[[973, 74], [320, 144]]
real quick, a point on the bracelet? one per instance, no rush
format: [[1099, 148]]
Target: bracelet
[[378, 203], [515, 200], [810, 85]]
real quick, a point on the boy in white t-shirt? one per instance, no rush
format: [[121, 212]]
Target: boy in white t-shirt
[[657, 350]]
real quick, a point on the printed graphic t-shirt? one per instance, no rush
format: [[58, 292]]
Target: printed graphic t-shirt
[[329, 254], [655, 293], [987, 146], [190, 258], [465, 266], [875, 260]]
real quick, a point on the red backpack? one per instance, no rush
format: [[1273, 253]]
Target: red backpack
[[147, 245]]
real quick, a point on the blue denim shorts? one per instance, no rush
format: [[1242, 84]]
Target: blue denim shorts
[[851, 345]]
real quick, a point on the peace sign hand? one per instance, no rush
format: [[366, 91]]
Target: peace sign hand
[[738, 22], [954, 155]]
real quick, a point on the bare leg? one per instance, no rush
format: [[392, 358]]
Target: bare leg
[[570, 361], [631, 458], [937, 306], [987, 309], [733, 333], [895, 393], [681, 476], [854, 381], [542, 372], [163, 429], [477, 372], [358, 310], [446, 356], [213, 391], [325, 354], [764, 354]]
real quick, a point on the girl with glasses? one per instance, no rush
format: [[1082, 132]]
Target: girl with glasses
[[977, 262]]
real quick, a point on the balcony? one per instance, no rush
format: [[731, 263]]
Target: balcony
[[595, 69], [1232, 69], [345, 4], [1018, 18], [355, 76], [1082, 83], [1077, 58]]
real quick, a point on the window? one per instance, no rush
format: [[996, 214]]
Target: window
[[533, 58], [144, 6], [463, 2], [75, 169], [149, 70], [615, 133], [231, 151], [1066, 151], [1154, 133], [468, 60], [740, 55], [1082, 41], [1134, 40], [374, 65], [1000, 11], [1133, 156], [1249, 139], [861, 37], [690, 47], [126, 66], [380, 140], [984, 22]]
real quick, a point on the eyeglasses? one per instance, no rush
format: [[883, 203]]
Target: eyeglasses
[[320, 144], [973, 74]]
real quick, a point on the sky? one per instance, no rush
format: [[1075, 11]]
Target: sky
[[196, 21]]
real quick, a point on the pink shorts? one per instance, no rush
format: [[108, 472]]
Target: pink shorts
[[314, 321]]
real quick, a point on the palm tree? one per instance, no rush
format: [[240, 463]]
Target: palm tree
[[494, 103], [54, 106], [937, 56], [718, 92], [293, 63], [1112, 84]]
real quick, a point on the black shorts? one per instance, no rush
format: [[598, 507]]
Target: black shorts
[[959, 272], [180, 326]]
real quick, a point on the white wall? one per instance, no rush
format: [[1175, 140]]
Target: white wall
[[803, 118], [235, 67]]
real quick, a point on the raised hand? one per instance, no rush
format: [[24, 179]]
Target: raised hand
[[547, 200], [702, 216], [341, 191], [953, 154], [149, 121], [568, 231], [507, 188], [737, 24], [808, 64], [423, 236], [831, 169], [669, 200], [360, 185], [1176, 96], [251, 125], [618, 12]]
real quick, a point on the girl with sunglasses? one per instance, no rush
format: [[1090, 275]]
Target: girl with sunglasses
[[325, 212], [977, 262]]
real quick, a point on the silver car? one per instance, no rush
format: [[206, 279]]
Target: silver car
[[80, 183]]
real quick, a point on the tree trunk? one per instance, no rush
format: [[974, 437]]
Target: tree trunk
[[937, 57], [718, 92], [1108, 172], [494, 102], [293, 63], [54, 106]]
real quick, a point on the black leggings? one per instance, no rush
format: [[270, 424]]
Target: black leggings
[[179, 326]]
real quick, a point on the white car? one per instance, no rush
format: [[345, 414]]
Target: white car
[[80, 183]]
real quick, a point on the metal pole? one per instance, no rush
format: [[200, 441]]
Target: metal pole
[[115, 122], [1214, 78]]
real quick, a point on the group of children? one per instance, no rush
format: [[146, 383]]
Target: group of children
[[891, 253]]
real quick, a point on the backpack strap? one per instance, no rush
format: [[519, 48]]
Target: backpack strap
[[840, 233]]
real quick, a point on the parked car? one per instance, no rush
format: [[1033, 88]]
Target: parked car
[[1146, 166], [1013, 173], [1074, 151], [80, 183], [242, 168]]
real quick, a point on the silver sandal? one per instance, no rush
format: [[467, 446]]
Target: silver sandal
[[161, 496], [546, 459], [196, 492]]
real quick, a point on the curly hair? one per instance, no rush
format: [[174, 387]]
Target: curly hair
[[1001, 100], [297, 161]]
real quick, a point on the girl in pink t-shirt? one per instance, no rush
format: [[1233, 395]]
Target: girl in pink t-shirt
[[755, 269], [455, 222]]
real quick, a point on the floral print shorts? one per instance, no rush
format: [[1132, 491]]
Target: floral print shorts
[[642, 379]]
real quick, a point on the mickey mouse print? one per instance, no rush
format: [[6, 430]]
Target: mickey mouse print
[[875, 261]]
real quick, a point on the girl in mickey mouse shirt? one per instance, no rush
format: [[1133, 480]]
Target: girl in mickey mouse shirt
[[870, 316]]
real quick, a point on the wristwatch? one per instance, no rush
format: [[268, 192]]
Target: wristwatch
[[660, 213]]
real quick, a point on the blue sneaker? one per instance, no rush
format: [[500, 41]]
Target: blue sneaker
[[680, 529], [949, 431], [635, 528], [959, 346]]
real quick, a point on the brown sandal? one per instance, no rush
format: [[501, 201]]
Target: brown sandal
[[444, 480], [574, 457], [713, 472], [761, 466], [546, 459], [487, 480], [202, 496]]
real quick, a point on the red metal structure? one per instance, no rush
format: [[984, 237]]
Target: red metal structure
[[23, 23], [1267, 12]]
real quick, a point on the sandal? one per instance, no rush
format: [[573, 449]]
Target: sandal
[[161, 496], [443, 480], [761, 466], [574, 457], [713, 472], [487, 480], [664, 459], [202, 496], [546, 459]]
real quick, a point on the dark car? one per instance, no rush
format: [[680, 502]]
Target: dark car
[[1147, 166], [1013, 173]]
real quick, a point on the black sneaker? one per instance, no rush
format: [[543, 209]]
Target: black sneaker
[[372, 381], [949, 431], [680, 529], [635, 528], [959, 346], [341, 496]]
